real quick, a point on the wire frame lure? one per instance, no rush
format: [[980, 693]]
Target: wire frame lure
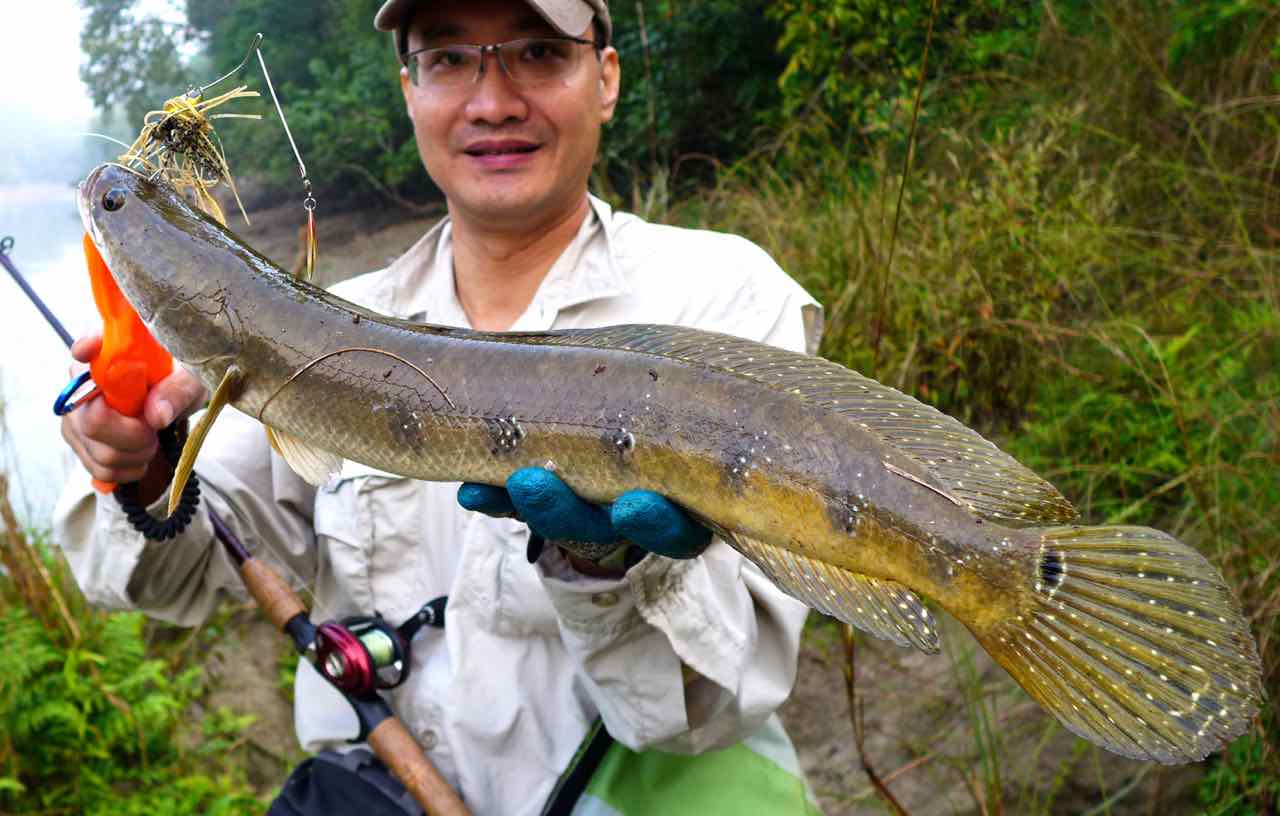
[[179, 144], [307, 268]]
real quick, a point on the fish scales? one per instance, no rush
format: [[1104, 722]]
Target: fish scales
[[850, 495], [705, 437]]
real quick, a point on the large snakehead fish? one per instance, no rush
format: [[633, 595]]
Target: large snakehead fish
[[850, 495]]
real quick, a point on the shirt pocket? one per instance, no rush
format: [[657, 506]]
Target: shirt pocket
[[497, 588], [372, 542]]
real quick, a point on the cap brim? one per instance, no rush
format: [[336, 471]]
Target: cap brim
[[392, 14], [569, 18]]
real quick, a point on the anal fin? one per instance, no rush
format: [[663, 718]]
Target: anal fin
[[882, 608]]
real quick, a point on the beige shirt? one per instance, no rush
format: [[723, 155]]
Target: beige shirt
[[532, 653]]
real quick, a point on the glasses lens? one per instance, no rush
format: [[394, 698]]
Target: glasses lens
[[451, 65], [531, 62]]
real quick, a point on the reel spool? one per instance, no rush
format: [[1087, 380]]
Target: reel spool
[[361, 655]]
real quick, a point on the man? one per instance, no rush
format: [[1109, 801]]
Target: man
[[683, 659]]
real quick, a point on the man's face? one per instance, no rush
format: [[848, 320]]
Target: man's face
[[501, 152]]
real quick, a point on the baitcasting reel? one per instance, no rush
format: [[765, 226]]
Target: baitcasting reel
[[364, 654]]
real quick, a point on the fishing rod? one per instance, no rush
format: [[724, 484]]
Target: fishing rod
[[358, 657], [64, 403], [6, 246]]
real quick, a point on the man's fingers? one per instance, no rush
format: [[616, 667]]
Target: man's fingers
[[654, 523], [554, 511], [174, 396], [110, 465], [86, 348], [98, 422], [112, 447], [104, 462], [492, 501]]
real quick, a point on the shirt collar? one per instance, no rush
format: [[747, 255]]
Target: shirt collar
[[420, 285]]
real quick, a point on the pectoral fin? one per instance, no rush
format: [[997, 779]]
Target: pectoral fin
[[223, 394], [311, 463]]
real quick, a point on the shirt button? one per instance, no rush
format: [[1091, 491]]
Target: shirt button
[[428, 739], [605, 599]]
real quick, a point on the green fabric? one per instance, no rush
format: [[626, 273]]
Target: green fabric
[[729, 782]]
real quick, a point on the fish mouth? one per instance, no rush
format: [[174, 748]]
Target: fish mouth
[[84, 198]]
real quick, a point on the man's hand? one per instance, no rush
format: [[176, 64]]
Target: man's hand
[[117, 448], [544, 502]]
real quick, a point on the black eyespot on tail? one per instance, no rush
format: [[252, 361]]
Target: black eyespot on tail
[[1051, 570]]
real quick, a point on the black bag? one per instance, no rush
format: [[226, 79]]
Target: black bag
[[332, 784]]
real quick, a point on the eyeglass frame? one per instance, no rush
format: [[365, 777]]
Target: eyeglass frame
[[496, 50]]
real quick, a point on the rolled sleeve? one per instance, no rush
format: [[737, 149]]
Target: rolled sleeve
[[182, 580], [715, 615], [629, 668], [95, 537]]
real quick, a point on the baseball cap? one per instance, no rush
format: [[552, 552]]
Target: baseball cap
[[569, 17]]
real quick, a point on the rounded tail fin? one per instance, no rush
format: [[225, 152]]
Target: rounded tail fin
[[1133, 641]]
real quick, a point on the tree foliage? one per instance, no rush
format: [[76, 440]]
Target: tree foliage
[[698, 79], [338, 81], [134, 61], [854, 65]]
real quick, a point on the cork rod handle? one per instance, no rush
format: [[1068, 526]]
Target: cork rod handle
[[397, 750], [278, 602]]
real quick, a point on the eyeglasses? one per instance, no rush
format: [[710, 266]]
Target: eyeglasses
[[532, 61]]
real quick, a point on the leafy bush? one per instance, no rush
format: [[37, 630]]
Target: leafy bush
[[97, 727], [854, 65], [91, 720]]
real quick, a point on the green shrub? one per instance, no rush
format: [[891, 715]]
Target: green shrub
[[91, 720]]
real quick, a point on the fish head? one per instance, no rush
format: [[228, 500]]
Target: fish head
[[170, 261]]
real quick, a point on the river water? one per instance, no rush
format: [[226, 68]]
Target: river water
[[41, 217]]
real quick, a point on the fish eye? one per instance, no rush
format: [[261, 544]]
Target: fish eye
[[114, 199]]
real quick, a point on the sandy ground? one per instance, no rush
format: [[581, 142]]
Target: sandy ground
[[949, 733]]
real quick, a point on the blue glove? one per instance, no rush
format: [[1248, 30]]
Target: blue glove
[[553, 511]]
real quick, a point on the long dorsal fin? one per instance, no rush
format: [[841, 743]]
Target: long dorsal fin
[[973, 470]]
